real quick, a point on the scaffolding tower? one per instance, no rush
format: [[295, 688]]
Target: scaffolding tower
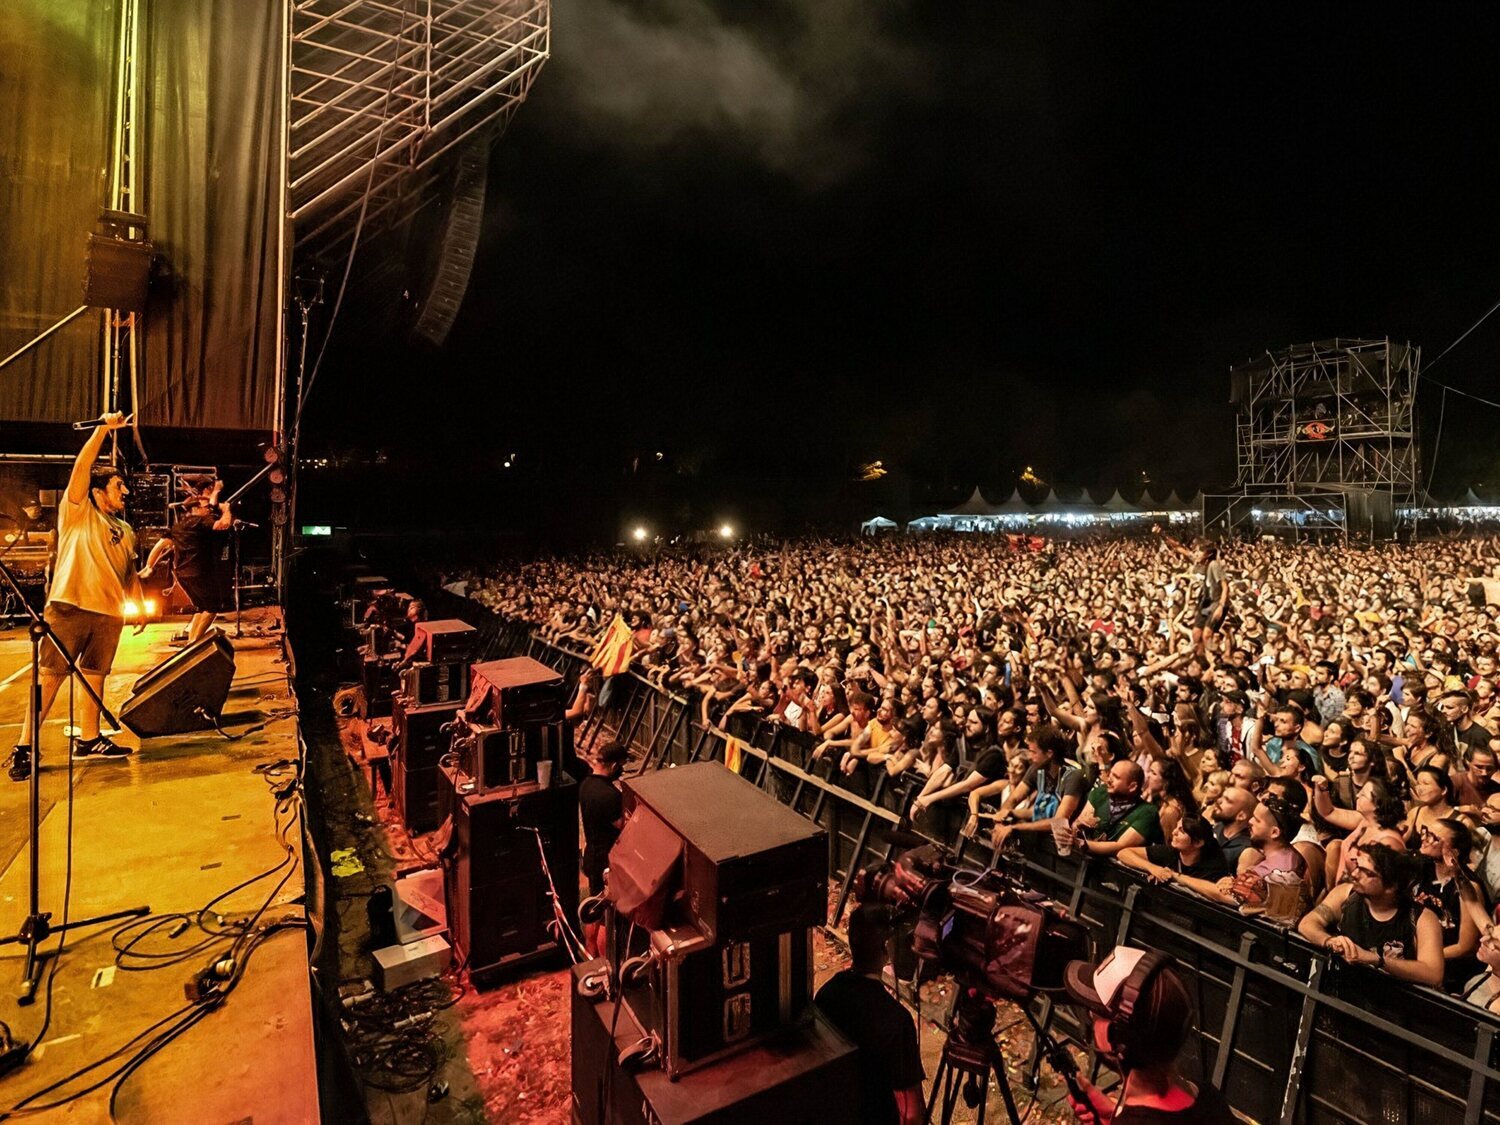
[[1325, 438]]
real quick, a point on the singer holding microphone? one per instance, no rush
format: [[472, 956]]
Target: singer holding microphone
[[93, 577], [198, 544]]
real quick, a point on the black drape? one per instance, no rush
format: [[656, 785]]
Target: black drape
[[214, 134], [210, 123], [55, 87]]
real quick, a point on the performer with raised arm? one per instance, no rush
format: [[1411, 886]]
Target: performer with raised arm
[[197, 545], [94, 577]]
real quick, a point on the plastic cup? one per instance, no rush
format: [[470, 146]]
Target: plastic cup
[[544, 775]]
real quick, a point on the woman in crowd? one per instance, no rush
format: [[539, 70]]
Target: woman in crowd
[[1445, 849], [1375, 819], [1432, 800]]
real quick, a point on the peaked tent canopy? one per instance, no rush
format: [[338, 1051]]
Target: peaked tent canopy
[[1015, 505], [975, 505], [1118, 503]]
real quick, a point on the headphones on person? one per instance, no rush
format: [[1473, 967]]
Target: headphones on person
[[1122, 1030]]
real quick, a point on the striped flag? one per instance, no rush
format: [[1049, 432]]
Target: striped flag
[[612, 654], [733, 753]]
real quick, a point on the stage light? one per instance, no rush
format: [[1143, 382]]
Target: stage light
[[130, 609], [639, 534], [10, 536], [150, 606], [726, 532]]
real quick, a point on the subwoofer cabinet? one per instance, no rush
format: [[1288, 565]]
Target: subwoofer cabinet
[[418, 743], [808, 1072], [750, 866], [702, 1002], [499, 897]]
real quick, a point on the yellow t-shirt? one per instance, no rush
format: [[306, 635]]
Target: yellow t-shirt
[[95, 556]]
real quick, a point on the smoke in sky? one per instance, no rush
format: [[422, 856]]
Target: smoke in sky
[[796, 89]]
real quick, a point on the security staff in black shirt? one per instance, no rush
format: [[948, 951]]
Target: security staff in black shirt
[[599, 805], [856, 1002]]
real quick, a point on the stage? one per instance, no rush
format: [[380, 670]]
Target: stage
[[182, 820]]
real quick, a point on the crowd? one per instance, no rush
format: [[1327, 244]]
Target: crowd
[[1309, 732]]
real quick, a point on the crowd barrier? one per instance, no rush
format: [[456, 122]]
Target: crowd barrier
[[1287, 1033]]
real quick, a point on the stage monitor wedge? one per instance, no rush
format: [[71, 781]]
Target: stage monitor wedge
[[183, 693]]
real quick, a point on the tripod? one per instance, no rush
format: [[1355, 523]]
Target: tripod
[[38, 926], [970, 1057]]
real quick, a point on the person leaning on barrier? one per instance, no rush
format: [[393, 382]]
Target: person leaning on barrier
[[1054, 789], [1115, 818], [1142, 1018], [1373, 921], [855, 1001]]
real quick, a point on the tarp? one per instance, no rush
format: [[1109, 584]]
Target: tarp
[[878, 523], [1118, 503]]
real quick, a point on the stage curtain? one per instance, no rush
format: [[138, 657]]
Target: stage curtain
[[213, 201], [55, 88]]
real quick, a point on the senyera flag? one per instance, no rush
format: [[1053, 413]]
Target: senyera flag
[[612, 654]]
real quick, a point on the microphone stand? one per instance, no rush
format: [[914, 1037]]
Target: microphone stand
[[38, 926]]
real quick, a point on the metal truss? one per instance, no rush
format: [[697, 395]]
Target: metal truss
[[1322, 427], [1327, 417], [381, 90]]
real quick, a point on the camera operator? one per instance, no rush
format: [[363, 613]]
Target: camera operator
[[1142, 1018], [856, 1002]]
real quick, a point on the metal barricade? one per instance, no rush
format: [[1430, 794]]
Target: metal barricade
[[1288, 1034]]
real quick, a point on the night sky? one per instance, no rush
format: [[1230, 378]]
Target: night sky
[[775, 240]]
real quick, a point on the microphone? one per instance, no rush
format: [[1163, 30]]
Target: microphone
[[90, 423]]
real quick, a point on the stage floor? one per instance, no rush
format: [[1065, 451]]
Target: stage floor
[[184, 819]]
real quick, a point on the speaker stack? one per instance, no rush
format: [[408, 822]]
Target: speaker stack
[[422, 718], [720, 886], [512, 803], [712, 892]]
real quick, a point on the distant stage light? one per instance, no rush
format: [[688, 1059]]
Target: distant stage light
[[639, 534], [130, 609], [150, 606], [726, 531]]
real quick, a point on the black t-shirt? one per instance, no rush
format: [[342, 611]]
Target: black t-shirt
[[875, 1022], [1475, 738], [599, 803], [1209, 1108], [991, 763], [197, 546], [1211, 864], [1231, 846]]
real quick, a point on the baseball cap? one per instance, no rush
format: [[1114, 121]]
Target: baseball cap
[[1096, 986]]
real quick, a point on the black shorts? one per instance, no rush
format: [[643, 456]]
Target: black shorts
[[1210, 616], [206, 594], [90, 637]]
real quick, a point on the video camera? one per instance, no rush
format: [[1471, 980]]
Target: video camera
[[989, 929]]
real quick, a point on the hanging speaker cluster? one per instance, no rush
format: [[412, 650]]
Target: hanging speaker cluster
[[280, 486]]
